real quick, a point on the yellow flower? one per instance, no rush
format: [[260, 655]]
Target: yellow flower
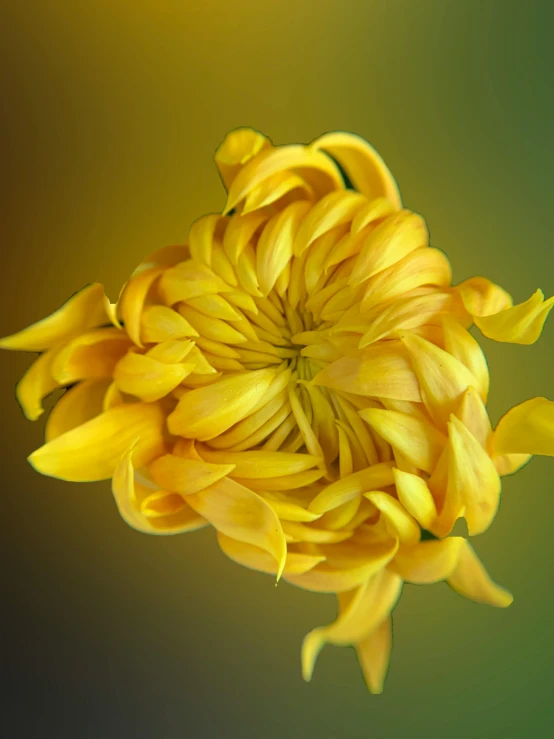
[[300, 376]]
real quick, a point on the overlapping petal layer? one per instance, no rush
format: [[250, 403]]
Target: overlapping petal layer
[[300, 375]]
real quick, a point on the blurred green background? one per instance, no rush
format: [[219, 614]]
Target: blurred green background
[[111, 114]]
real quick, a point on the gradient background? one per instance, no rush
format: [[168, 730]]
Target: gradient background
[[111, 113]]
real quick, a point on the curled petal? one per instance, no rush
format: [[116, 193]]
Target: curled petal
[[415, 496], [372, 478], [85, 310], [520, 324], [428, 561], [260, 464], [363, 165], [369, 606], [297, 563], [471, 580], [526, 429], [93, 450], [78, 405], [36, 384], [374, 655], [236, 149], [400, 523], [133, 299], [241, 514], [186, 476], [481, 297]]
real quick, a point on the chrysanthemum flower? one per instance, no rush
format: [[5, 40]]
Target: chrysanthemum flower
[[300, 376]]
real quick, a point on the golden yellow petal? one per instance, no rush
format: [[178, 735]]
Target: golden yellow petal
[[92, 354], [428, 561], [236, 149], [85, 310], [160, 323], [471, 580], [379, 371], [259, 463], [77, 405], [36, 384], [241, 514], [189, 280], [528, 428], [442, 378], [399, 522], [419, 441], [202, 235], [206, 412], [462, 346], [92, 451], [472, 473], [185, 476], [147, 378], [375, 477], [297, 563], [374, 655], [482, 297], [212, 328], [520, 324], [133, 298], [364, 166], [333, 210], [415, 496]]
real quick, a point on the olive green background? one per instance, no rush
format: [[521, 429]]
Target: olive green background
[[111, 111]]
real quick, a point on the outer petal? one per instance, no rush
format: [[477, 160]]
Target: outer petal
[[243, 515], [472, 473], [133, 299], [372, 603], [148, 378], [372, 478], [36, 384], [526, 429], [92, 451], [259, 463], [482, 297], [125, 493], [85, 310], [257, 559], [399, 522], [186, 476], [363, 165], [374, 655], [428, 561], [463, 347], [78, 405], [520, 324], [416, 497], [470, 579], [236, 149]]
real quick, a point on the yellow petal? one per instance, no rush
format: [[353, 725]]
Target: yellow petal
[[256, 559], [419, 441], [428, 561], [167, 256], [473, 414], [332, 210], [274, 249], [392, 240], [416, 497], [400, 523], [364, 166], [212, 328], [275, 187], [471, 580], [133, 298], [424, 266], [284, 482], [201, 237], [378, 371], [78, 405], [374, 655], [85, 310], [125, 494], [462, 346], [313, 166], [189, 280], [520, 324], [375, 477], [442, 378], [172, 351], [260, 464], [240, 231], [92, 354], [186, 476], [372, 602], [160, 323], [507, 464], [289, 511], [243, 515], [148, 378], [36, 384], [92, 451], [482, 297], [472, 473], [236, 149], [206, 412], [528, 428]]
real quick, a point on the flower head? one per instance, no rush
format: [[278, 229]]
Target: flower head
[[300, 376]]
